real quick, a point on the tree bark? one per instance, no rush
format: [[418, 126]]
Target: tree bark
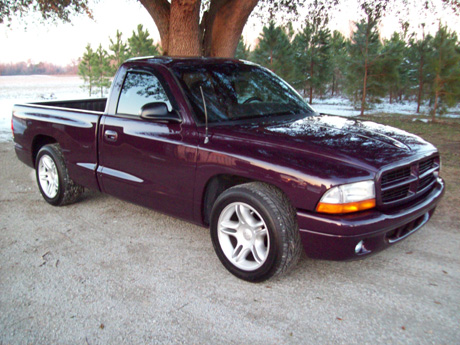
[[420, 84], [160, 10], [363, 99], [311, 80], [182, 34], [366, 65], [436, 97], [184, 28], [228, 25]]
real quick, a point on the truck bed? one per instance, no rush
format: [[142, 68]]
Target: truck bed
[[91, 104]]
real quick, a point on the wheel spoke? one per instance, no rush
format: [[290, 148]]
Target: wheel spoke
[[261, 231], [43, 176], [259, 257], [229, 225], [245, 216], [240, 253], [47, 163]]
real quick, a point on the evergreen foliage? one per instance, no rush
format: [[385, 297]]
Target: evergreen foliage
[[242, 50], [140, 43], [338, 59], [312, 59], [444, 67], [274, 51], [363, 63], [97, 68], [364, 67], [418, 54], [102, 70], [119, 52], [393, 73], [86, 69]]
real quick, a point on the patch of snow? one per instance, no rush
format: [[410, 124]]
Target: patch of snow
[[34, 88], [343, 107]]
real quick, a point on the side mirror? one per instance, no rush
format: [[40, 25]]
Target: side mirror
[[158, 111]]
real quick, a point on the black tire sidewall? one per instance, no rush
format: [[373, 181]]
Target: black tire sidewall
[[49, 150], [244, 195]]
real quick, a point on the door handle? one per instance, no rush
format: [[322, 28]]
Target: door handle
[[111, 135]]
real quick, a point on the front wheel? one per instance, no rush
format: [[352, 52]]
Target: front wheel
[[53, 180], [254, 231]]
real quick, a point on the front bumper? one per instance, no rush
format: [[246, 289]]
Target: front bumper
[[337, 237]]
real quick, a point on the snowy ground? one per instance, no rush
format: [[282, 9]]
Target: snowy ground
[[23, 89], [343, 107], [35, 88]]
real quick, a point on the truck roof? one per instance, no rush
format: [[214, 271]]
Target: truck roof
[[171, 61]]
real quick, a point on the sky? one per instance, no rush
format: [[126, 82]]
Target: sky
[[29, 40]]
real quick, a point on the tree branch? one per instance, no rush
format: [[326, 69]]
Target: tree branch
[[207, 23], [228, 25], [160, 11]]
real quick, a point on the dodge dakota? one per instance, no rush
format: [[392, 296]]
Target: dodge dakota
[[227, 144]]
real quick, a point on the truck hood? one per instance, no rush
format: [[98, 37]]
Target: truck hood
[[362, 143]]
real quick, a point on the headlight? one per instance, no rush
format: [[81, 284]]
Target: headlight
[[348, 198]]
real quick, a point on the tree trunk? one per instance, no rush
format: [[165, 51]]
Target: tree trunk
[[182, 34], [363, 99], [433, 115], [333, 84], [228, 26], [184, 28], [420, 84], [366, 66], [311, 80], [159, 10], [436, 97]]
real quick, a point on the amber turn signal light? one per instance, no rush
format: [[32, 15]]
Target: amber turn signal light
[[345, 208]]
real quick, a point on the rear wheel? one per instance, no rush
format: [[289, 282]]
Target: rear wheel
[[53, 180], [254, 231]]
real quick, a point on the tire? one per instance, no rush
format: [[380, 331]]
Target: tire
[[53, 180], [254, 231]]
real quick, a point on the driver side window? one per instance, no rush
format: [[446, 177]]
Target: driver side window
[[140, 88]]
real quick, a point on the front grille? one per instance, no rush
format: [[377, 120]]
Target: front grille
[[395, 194], [395, 176], [424, 182], [405, 183], [425, 166]]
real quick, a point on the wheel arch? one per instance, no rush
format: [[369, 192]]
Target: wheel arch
[[218, 184], [38, 142], [215, 186]]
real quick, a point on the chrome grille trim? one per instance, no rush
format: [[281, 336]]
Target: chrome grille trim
[[402, 184]]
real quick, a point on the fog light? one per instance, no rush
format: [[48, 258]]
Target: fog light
[[359, 247]]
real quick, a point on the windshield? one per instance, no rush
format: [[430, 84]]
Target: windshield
[[235, 91]]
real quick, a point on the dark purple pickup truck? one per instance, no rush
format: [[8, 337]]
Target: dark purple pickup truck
[[227, 144]]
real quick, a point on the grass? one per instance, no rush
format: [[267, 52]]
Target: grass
[[445, 135]]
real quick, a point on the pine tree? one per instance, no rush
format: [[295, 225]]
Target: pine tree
[[242, 50], [444, 65], [119, 52], [364, 55], [86, 69], [418, 55], [312, 59], [140, 43], [337, 61], [274, 51], [102, 70], [391, 71]]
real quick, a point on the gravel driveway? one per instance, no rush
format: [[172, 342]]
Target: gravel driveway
[[104, 271]]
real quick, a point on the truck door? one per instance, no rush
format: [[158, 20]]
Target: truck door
[[147, 162]]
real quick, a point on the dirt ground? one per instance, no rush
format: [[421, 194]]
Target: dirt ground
[[104, 271]]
